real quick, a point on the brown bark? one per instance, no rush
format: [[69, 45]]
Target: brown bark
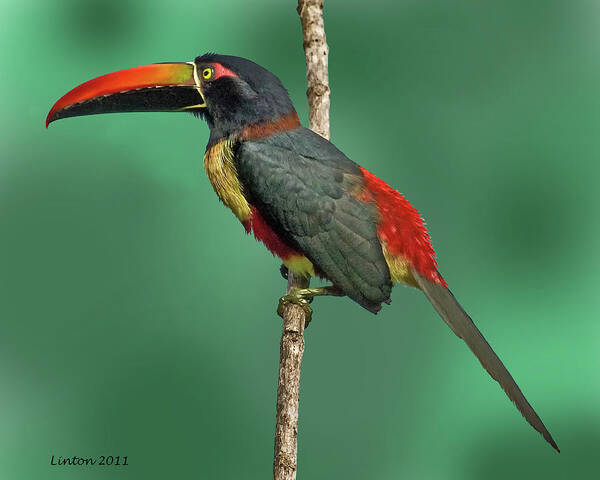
[[316, 52], [294, 317], [290, 361]]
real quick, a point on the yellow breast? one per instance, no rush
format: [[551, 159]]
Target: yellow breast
[[221, 171]]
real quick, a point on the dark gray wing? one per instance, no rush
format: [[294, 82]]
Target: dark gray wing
[[306, 189]]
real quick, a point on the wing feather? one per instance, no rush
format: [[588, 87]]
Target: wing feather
[[303, 188]]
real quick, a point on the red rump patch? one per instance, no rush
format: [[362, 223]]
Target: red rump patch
[[264, 233], [401, 227], [221, 71]]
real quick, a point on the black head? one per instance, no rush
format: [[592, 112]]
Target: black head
[[238, 93]]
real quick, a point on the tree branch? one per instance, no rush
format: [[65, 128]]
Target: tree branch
[[294, 317], [316, 52], [290, 361]]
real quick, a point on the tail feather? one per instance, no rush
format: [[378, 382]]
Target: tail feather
[[462, 325]]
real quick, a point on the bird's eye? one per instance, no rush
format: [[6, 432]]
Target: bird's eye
[[207, 73]]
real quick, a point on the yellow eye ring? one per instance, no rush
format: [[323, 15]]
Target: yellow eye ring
[[207, 73]]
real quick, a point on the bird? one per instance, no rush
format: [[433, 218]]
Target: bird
[[321, 213]]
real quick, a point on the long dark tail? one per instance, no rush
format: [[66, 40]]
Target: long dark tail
[[462, 325]]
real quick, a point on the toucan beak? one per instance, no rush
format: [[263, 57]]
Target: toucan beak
[[160, 87]]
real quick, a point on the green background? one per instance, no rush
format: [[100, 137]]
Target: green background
[[137, 318]]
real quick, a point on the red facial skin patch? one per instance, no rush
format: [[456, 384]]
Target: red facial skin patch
[[221, 71]]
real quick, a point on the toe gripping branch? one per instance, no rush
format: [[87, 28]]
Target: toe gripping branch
[[304, 297]]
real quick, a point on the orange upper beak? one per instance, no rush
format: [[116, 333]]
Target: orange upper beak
[[160, 87]]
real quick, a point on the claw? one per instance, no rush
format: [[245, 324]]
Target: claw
[[304, 297], [295, 296], [284, 271]]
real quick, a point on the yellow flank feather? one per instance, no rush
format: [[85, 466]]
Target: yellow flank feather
[[221, 171], [300, 265], [399, 268]]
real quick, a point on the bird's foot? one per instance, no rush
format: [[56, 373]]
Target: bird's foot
[[296, 297], [304, 297]]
